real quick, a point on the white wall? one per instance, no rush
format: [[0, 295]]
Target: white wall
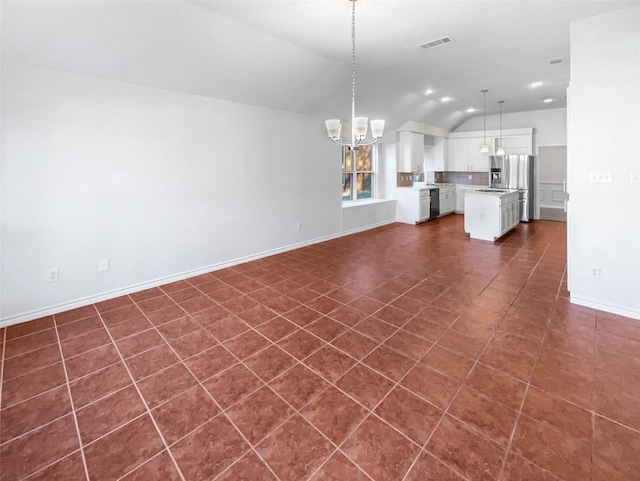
[[362, 216], [550, 126], [162, 183], [604, 136]]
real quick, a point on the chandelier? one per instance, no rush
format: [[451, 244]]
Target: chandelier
[[359, 125]]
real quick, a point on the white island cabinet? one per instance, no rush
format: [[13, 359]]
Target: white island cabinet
[[489, 214]]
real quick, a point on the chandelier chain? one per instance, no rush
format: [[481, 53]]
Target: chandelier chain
[[353, 66], [359, 125]]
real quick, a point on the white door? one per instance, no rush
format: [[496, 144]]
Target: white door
[[552, 165]]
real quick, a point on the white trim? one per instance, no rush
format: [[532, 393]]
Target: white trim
[[594, 304], [368, 227], [84, 301], [355, 203], [491, 133]]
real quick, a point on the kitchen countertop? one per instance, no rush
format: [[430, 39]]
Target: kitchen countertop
[[490, 191], [423, 185]]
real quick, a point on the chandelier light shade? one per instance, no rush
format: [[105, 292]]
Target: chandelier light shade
[[500, 150], [359, 125], [334, 127], [485, 148]]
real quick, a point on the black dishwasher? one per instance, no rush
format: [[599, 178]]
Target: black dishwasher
[[435, 204]]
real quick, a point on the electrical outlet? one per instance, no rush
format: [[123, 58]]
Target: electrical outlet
[[595, 273], [54, 275], [299, 226]]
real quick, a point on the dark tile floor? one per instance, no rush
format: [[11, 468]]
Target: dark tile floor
[[402, 353]]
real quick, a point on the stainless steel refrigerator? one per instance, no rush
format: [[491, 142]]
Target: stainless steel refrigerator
[[515, 172]]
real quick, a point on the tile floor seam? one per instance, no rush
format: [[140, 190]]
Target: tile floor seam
[[446, 410], [524, 398], [337, 450], [395, 385], [72, 381], [88, 351], [71, 402], [97, 400], [4, 343], [22, 353], [43, 469], [222, 411], [530, 285], [113, 430], [144, 401], [296, 411], [158, 455], [32, 430]]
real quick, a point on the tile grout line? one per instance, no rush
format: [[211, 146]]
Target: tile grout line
[[400, 380], [453, 398], [146, 405], [71, 402], [299, 328], [296, 411], [199, 383], [593, 398], [4, 343], [532, 370]]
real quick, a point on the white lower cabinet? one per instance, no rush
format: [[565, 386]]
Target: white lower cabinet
[[461, 191], [412, 205], [447, 200], [509, 216], [488, 216]]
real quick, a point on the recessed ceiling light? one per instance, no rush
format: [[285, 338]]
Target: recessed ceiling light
[[446, 99], [428, 92], [536, 84], [471, 110], [547, 101]]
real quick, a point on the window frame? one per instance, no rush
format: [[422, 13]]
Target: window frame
[[354, 174]]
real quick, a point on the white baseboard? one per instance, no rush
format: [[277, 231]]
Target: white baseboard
[[84, 301], [367, 227], [613, 309]]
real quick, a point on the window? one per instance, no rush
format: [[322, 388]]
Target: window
[[362, 172]]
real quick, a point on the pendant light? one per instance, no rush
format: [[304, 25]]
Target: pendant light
[[500, 150], [485, 148], [358, 124]]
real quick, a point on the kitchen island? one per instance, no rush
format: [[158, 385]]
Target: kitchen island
[[490, 213]]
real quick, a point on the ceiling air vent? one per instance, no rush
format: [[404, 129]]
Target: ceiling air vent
[[554, 61], [435, 43]]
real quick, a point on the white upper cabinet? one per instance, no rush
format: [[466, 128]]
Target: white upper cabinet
[[464, 148], [514, 144], [410, 152], [436, 154], [478, 161], [465, 155], [458, 155]]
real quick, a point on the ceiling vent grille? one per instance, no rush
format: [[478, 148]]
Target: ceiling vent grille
[[554, 61], [435, 43]]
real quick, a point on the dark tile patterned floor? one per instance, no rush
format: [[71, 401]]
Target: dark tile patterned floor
[[402, 353]]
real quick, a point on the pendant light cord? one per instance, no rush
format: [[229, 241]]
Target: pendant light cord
[[501, 102], [484, 114]]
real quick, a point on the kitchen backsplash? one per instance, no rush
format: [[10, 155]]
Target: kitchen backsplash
[[477, 178]]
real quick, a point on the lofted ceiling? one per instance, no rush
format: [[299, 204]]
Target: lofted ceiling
[[295, 55]]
